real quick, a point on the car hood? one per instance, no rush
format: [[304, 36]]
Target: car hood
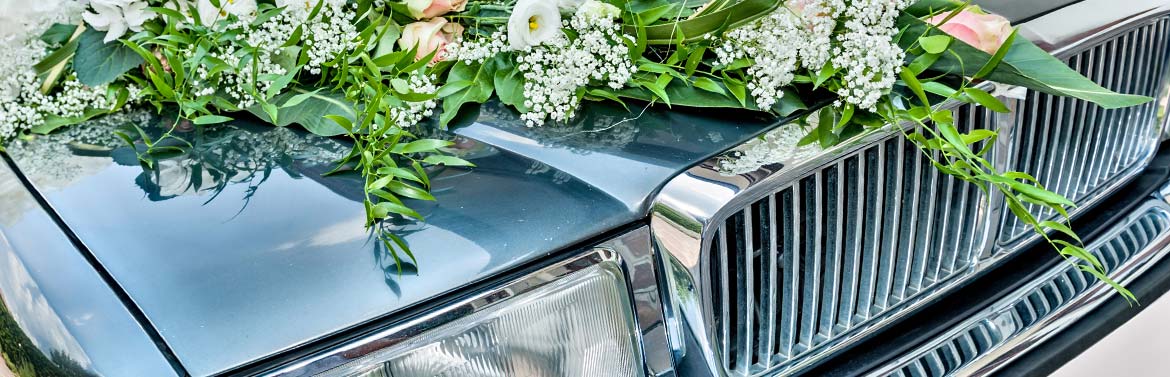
[[240, 247]]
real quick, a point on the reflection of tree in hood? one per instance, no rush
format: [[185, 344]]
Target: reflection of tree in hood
[[24, 359]]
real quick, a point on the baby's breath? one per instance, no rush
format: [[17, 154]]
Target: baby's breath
[[556, 72]]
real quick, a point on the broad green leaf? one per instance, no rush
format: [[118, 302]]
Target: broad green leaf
[[58, 33], [98, 63], [697, 28], [1024, 64], [482, 79], [509, 85], [709, 85], [310, 112], [935, 44]]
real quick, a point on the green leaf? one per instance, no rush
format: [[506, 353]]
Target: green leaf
[[986, 100], [1060, 228], [1041, 194], [481, 77], [386, 208], [310, 112], [935, 44], [210, 119], [509, 85], [58, 33], [446, 160], [424, 145], [697, 28], [1024, 64], [409, 191], [737, 88], [99, 63], [709, 85]]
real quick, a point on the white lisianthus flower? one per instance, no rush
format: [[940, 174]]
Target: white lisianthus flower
[[533, 22], [596, 10], [115, 17], [209, 14]]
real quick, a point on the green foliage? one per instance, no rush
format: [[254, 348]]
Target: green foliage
[[1022, 63], [934, 131], [308, 109], [99, 63]]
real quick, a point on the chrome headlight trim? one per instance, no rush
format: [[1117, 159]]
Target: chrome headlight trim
[[688, 209], [630, 252]]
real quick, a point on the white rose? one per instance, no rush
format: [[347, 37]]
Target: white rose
[[115, 17], [533, 22], [209, 14]]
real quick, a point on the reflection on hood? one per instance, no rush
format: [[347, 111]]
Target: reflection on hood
[[25, 310]]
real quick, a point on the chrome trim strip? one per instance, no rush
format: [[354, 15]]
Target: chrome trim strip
[[630, 251], [1010, 339], [691, 207]]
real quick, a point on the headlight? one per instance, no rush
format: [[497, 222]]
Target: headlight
[[570, 319]]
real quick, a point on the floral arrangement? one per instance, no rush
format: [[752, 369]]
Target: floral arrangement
[[385, 73]]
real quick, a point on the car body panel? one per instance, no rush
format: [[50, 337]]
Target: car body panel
[[58, 316], [241, 248], [244, 249]]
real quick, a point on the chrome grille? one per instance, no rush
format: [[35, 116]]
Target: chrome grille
[[798, 271], [802, 267], [1078, 149], [965, 345]]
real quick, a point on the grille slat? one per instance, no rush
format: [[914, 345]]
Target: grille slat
[[955, 352], [1078, 149], [852, 243]]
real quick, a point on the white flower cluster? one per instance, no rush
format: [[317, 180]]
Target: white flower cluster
[[330, 34], [556, 71], [414, 112], [804, 35], [22, 105], [820, 22], [476, 50], [774, 45], [325, 36], [867, 53]]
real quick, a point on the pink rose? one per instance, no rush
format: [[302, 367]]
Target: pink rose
[[420, 9], [983, 31], [429, 36]]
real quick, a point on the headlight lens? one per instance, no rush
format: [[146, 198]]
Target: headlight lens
[[578, 325]]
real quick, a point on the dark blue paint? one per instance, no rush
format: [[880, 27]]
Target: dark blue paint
[[240, 249]]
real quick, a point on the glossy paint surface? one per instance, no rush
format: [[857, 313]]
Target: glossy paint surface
[[57, 316], [240, 248]]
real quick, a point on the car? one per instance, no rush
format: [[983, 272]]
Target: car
[[616, 245]]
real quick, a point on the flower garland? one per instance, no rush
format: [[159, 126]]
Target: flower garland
[[377, 71]]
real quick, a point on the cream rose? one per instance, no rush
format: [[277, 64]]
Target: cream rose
[[533, 22], [983, 31], [420, 9], [429, 36]]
